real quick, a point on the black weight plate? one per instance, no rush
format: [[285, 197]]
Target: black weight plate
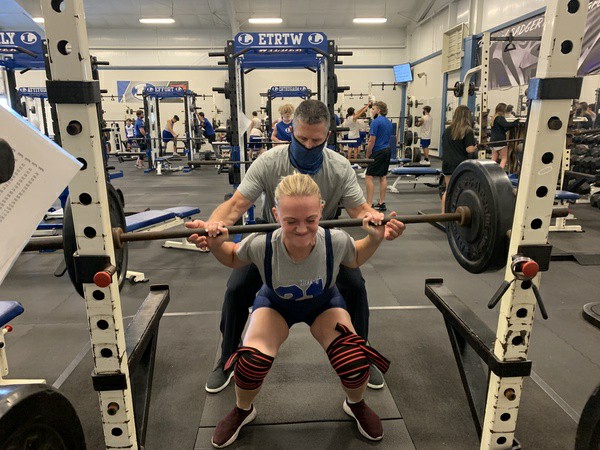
[[416, 154], [588, 430], [409, 121], [117, 219], [37, 416], [459, 89], [7, 161], [484, 187], [408, 138]]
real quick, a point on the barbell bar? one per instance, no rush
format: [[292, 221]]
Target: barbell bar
[[462, 216]]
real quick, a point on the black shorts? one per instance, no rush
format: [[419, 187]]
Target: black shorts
[[211, 138], [381, 165]]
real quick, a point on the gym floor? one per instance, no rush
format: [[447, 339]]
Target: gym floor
[[423, 404]]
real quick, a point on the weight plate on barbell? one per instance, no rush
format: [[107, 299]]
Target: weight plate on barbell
[[484, 187], [408, 138], [409, 121], [117, 220]]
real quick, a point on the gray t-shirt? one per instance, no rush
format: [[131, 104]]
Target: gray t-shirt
[[298, 280], [336, 180]]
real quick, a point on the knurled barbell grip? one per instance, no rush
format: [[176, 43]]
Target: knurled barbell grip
[[462, 215]]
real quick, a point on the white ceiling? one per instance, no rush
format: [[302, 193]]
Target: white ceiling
[[226, 14]]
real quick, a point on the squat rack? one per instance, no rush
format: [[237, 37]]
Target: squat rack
[[152, 95], [277, 50], [76, 95], [282, 92]]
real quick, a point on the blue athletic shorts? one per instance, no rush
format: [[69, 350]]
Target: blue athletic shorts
[[167, 136], [425, 143], [297, 311]]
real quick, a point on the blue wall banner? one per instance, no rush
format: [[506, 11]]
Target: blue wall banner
[[131, 91], [26, 48]]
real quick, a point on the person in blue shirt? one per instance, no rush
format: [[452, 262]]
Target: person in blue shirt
[[139, 129], [282, 131], [379, 149], [209, 131]]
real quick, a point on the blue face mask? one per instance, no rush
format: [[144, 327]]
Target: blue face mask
[[306, 160]]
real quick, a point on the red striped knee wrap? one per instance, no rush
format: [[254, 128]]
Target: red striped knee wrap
[[350, 357], [251, 367]]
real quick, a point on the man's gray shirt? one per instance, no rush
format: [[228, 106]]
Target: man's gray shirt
[[336, 180]]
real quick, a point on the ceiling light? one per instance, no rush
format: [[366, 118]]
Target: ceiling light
[[157, 20], [38, 19], [265, 20], [370, 20]]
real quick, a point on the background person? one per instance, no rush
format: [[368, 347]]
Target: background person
[[458, 140]]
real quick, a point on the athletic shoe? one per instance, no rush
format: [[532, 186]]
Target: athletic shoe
[[229, 427], [218, 379], [380, 207], [369, 423], [376, 380], [425, 162]]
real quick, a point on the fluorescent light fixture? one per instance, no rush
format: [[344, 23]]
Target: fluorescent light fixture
[[370, 20], [265, 20], [157, 20], [38, 19]]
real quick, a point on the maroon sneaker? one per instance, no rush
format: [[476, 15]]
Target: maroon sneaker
[[229, 427], [369, 423]]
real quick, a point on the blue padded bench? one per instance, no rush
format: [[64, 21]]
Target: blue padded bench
[[114, 175], [560, 195], [8, 311], [415, 171], [50, 226], [184, 211], [400, 161], [567, 196], [147, 219]]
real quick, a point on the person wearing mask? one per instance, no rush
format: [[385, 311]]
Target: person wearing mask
[[458, 140], [282, 130], [378, 148], [425, 123], [498, 134]]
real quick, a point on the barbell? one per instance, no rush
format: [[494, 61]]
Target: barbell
[[480, 205], [459, 88]]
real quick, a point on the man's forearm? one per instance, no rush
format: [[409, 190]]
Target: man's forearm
[[360, 211], [226, 213]]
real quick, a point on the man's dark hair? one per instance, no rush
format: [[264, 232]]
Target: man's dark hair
[[509, 108], [201, 114], [176, 117], [427, 108], [139, 113], [312, 112], [254, 113]]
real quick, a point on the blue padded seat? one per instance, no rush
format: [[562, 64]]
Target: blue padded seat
[[147, 219], [114, 175], [8, 311], [566, 195], [416, 171], [400, 161], [50, 226], [184, 211]]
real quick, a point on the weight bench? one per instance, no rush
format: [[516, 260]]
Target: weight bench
[[159, 220], [560, 224], [561, 197], [414, 175], [8, 311], [163, 163]]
